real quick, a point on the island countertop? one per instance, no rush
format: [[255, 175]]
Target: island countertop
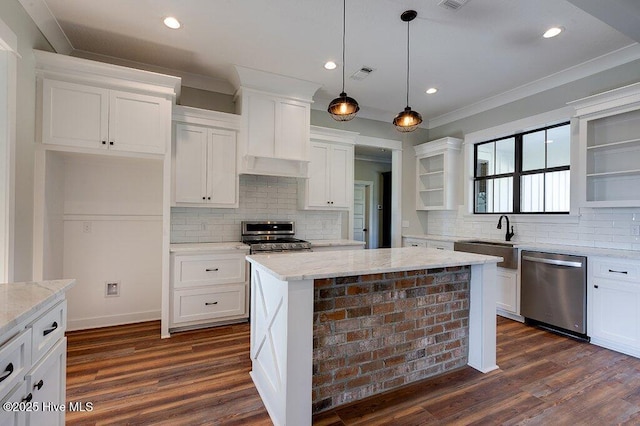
[[19, 300], [329, 264]]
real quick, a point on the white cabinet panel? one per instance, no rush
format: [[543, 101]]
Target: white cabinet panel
[[507, 290], [292, 130], [93, 117], [208, 288], [46, 382], [14, 418], [261, 129], [330, 183], [205, 166], [222, 179], [74, 114], [138, 123], [190, 163], [206, 304], [613, 296]]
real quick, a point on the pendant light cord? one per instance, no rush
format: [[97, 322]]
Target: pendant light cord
[[408, 38], [344, 26]]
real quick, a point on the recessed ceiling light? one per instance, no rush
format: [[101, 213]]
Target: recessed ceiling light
[[172, 22], [330, 65], [552, 32], [431, 90]]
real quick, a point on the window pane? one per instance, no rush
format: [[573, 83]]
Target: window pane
[[505, 156], [545, 192], [494, 195], [557, 192], [532, 193], [484, 165], [558, 146], [533, 151]]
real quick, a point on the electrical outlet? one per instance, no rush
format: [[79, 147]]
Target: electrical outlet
[[635, 230], [112, 288], [86, 227], [405, 223]]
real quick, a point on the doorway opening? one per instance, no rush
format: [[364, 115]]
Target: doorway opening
[[373, 191]]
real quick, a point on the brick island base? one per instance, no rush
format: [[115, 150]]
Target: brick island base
[[374, 333], [375, 325]]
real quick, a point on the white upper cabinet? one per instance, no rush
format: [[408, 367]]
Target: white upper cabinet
[[205, 159], [86, 104], [609, 146], [330, 182], [276, 115], [437, 173]]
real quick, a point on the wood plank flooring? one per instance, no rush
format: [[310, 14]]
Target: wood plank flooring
[[201, 378]]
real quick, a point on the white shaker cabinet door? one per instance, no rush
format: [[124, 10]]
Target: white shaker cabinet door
[[74, 114], [191, 164], [341, 166], [319, 175], [221, 171], [138, 123]]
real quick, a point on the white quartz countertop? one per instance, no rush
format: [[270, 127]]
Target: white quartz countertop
[[328, 264], [334, 243], [19, 300], [549, 248], [196, 247]]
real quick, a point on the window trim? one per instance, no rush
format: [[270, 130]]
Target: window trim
[[517, 172]]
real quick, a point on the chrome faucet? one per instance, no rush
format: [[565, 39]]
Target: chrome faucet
[[508, 235]]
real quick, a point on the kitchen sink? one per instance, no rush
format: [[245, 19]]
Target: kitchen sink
[[505, 250]]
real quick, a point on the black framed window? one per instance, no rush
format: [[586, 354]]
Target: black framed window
[[524, 173]]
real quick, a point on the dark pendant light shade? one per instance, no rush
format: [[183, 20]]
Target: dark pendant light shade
[[343, 108], [407, 120]]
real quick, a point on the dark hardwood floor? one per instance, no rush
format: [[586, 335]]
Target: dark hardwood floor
[[201, 377]]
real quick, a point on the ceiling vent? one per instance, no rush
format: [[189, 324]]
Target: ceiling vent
[[362, 73], [452, 4]]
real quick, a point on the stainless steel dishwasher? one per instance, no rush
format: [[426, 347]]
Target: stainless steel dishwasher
[[554, 291]]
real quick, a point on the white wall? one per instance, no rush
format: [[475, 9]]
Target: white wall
[[12, 13], [111, 231], [261, 198]]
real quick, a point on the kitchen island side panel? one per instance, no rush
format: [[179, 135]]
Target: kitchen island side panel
[[373, 333]]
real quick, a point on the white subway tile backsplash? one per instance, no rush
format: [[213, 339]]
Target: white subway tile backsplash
[[261, 198], [605, 228]]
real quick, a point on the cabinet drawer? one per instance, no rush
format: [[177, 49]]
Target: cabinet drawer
[[440, 245], [414, 242], [201, 270], [15, 359], [209, 303], [616, 270], [48, 329]]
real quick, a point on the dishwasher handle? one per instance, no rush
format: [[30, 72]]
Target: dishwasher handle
[[567, 263]]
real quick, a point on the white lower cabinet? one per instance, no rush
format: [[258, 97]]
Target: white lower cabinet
[[208, 288], [440, 245], [613, 292], [46, 384], [33, 369], [507, 291]]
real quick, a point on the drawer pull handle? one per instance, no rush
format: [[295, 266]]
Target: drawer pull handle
[[210, 303], [27, 398], [618, 272], [211, 270], [7, 372], [50, 329], [38, 385]]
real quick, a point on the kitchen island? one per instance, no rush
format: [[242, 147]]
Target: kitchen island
[[328, 328]]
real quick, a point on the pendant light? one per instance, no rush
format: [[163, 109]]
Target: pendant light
[[343, 108], [407, 120]]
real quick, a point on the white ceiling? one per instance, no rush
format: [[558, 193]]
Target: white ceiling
[[487, 53]]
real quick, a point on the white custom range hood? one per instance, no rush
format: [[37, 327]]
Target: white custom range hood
[[276, 114]]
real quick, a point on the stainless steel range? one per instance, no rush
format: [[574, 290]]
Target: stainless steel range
[[272, 236]]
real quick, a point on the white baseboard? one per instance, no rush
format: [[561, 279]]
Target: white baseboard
[[110, 320]]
